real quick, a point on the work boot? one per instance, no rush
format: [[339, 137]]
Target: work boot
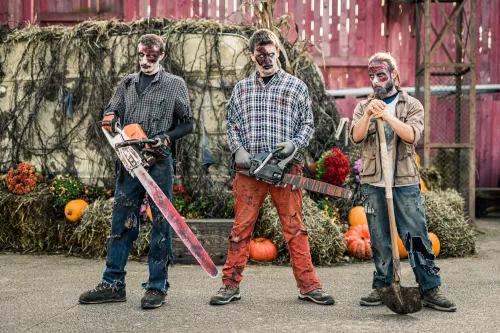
[[317, 296], [153, 299], [371, 300], [103, 293], [225, 295], [435, 299]]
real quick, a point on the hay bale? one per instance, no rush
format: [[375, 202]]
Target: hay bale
[[446, 218], [29, 222], [325, 237], [90, 237], [431, 177]]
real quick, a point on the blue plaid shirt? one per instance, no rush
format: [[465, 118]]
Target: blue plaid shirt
[[260, 116]]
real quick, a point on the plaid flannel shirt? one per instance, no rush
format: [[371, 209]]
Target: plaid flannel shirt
[[165, 99], [260, 116]]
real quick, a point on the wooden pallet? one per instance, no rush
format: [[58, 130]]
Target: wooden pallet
[[213, 235]]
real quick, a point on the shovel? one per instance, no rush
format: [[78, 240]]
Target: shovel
[[399, 299]]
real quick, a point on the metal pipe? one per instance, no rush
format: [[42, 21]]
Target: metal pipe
[[435, 90]]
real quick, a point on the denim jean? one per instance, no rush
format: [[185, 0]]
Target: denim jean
[[129, 195], [412, 229]]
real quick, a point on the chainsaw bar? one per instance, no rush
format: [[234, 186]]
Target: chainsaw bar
[[316, 186]]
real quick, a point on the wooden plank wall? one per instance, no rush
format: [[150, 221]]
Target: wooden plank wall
[[347, 32]]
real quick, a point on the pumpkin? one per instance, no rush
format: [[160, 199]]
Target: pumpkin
[[436, 244], [357, 216], [262, 249], [149, 213], [423, 188], [74, 209], [357, 239], [417, 159], [401, 249]]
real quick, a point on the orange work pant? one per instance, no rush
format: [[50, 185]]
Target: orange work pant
[[249, 195]]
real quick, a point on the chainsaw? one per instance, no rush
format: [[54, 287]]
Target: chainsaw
[[137, 154], [271, 167]]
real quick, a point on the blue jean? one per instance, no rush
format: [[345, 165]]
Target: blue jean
[[129, 195], [412, 229]]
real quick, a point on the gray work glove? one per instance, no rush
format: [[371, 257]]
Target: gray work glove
[[242, 158], [288, 149]]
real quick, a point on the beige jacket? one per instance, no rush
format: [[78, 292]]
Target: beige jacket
[[411, 112]]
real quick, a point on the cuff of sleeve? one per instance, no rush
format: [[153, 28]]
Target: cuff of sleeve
[[415, 138]]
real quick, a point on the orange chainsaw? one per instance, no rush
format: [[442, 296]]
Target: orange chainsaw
[[136, 152], [272, 168]]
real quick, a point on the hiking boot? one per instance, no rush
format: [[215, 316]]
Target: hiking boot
[[317, 296], [371, 300], [153, 299], [435, 299], [103, 293], [225, 295]]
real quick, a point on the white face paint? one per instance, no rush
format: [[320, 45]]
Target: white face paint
[[149, 58]]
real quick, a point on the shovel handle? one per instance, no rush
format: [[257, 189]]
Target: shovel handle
[[388, 177]]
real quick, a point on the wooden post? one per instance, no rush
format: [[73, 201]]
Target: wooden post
[[427, 83], [472, 122]]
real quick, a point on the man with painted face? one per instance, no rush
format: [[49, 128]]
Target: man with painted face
[[268, 109], [403, 118], [159, 102]]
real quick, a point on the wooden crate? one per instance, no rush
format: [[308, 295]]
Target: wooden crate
[[213, 235]]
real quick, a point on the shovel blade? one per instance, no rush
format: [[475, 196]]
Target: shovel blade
[[401, 300]]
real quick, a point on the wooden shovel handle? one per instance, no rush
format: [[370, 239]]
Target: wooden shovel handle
[[388, 177]]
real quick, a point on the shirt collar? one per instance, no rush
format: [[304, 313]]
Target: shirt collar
[[279, 73], [157, 77]]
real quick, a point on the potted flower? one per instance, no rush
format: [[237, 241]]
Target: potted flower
[[333, 167]]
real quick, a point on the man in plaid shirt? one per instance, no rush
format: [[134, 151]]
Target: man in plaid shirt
[[156, 100], [268, 109]]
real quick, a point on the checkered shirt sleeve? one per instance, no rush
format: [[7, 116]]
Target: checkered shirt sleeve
[[260, 116]]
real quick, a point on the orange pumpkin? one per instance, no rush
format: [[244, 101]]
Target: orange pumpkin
[[74, 209], [417, 159], [357, 239], [357, 216], [149, 213], [436, 244], [423, 188], [401, 249], [262, 249]]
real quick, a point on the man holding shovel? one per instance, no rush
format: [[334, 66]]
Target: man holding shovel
[[400, 201]]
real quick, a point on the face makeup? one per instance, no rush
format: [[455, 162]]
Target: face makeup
[[149, 59], [266, 57], [380, 76]]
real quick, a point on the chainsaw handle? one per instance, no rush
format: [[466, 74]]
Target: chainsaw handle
[[135, 142]]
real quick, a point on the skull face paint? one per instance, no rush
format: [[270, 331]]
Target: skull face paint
[[266, 57], [380, 76], [149, 58]]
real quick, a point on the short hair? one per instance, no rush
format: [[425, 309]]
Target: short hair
[[389, 60], [150, 40], [263, 37]]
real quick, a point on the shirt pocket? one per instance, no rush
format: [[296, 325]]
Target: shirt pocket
[[407, 166], [369, 165]]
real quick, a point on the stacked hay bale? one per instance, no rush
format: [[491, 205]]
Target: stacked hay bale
[[447, 219], [325, 237], [29, 222]]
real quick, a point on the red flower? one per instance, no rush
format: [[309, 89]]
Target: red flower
[[334, 167], [179, 189], [23, 179]]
